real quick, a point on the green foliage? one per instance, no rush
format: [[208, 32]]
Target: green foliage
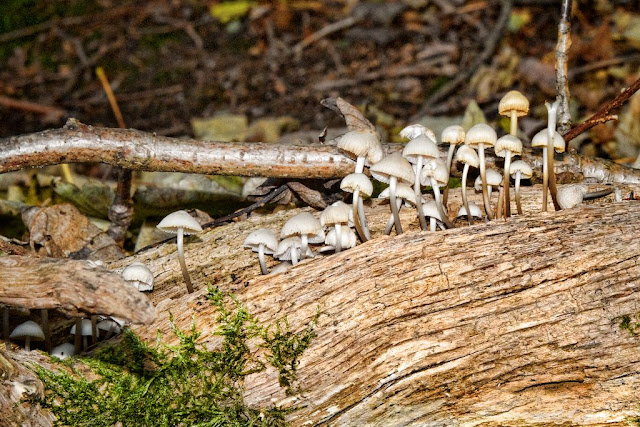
[[626, 324], [178, 385]]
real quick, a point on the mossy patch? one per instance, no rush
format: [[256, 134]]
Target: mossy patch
[[186, 384]]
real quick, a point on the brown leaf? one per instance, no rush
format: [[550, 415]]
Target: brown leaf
[[311, 197], [351, 115]]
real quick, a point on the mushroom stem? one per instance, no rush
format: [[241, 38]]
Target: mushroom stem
[[545, 178], [77, 341], [85, 342], [263, 265], [294, 256], [514, 123], [551, 132], [356, 217], [304, 246], [500, 201], [436, 195], [392, 200], [507, 182], [363, 218], [391, 221], [518, 204], [338, 228], [483, 176], [360, 164], [94, 329], [27, 343], [44, 315], [432, 224], [416, 188], [445, 192], [183, 264], [5, 327], [465, 201]]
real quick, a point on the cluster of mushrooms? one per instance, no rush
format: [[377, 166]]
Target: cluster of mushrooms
[[420, 164]]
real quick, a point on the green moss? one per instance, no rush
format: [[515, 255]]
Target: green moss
[[626, 324], [178, 385]]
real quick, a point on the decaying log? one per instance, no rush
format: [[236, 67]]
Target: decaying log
[[73, 287], [139, 150]]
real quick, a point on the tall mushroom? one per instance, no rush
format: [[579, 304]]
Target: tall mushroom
[[337, 216], [360, 185], [513, 105], [363, 145], [452, 135], [263, 241], [181, 223], [520, 169], [404, 193], [541, 139], [434, 173], [467, 156], [307, 227], [482, 136], [552, 144], [390, 170], [415, 152], [506, 146]]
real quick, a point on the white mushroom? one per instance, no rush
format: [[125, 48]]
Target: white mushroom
[[454, 136], [307, 227], [63, 351], [262, 241], [403, 193], [138, 275], [520, 169], [507, 146], [181, 223], [435, 173], [363, 145], [360, 185], [337, 216], [416, 151], [513, 105], [85, 331], [28, 331], [390, 170], [541, 139], [467, 156], [476, 212], [482, 136]]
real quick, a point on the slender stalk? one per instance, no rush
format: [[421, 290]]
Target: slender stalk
[[304, 247], [436, 196], [514, 123], [518, 204], [294, 256], [483, 176], [416, 188], [94, 329], [500, 206], [394, 207], [465, 201], [391, 221], [363, 218], [356, 217], [183, 264], [545, 178], [359, 164], [44, 315], [432, 224], [27, 343], [507, 184], [551, 132], [77, 341], [263, 265], [445, 192], [338, 228]]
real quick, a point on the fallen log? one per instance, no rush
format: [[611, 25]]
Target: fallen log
[[75, 288]]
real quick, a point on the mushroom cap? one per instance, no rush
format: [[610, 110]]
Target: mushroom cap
[[570, 196], [467, 155], [414, 131], [421, 145], [63, 351], [287, 245], [28, 329], [541, 139], [362, 144], [476, 212], [300, 225], [453, 135], [494, 179], [109, 324], [508, 142], [262, 236], [280, 267], [403, 191], [85, 329], [513, 101], [481, 134], [139, 276], [357, 181], [523, 167], [348, 238], [430, 209], [393, 165], [179, 219], [338, 213], [434, 168]]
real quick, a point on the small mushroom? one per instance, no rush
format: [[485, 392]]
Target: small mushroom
[[435, 173], [432, 212], [467, 156], [289, 250], [403, 193], [454, 136], [181, 223], [414, 131], [541, 139], [63, 351], [360, 185], [513, 105], [348, 240], [110, 327], [507, 146], [363, 145], [476, 212], [337, 216], [520, 169], [494, 179], [139, 276], [28, 331], [263, 241], [416, 151], [482, 136], [85, 331], [572, 195], [390, 170], [307, 227]]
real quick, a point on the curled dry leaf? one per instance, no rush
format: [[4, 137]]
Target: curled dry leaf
[[352, 116]]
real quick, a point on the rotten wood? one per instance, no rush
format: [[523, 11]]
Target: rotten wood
[[139, 150], [75, 288]]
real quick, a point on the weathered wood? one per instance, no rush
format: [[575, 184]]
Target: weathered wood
[[73, 287], [133, 149]]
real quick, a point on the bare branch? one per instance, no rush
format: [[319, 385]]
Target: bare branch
[[562, 80]]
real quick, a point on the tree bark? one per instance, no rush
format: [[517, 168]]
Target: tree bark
[[75, 288]]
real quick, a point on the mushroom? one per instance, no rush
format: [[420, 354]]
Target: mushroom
[[413, 131], [475, 212], [520, 169], [432, 212], [85, 331], [481, 136], [348, 240], [467, 156], [403, 193], [390, 170], [541, 139], [452, 135], [364, 145], [289, 250], [28, 331], [306, 226], [181, 223], [506, 146], [513, 105], [63, 351], [139, 276], [415, 152], [435, 174], [494, 179], [263, 241], [336, 215], [553, 145], [572, 195], [110, 327], [359, 185]]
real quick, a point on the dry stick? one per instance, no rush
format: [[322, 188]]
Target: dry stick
[[604, 112], [489, 46], [324, 32], [562, 80], [121, 210]]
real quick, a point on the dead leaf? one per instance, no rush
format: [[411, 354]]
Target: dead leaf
[[311, 197], [351, 115]]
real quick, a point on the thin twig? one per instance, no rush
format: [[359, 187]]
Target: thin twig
[[603, 113], [489, 47], [562, 80], [32, 107]]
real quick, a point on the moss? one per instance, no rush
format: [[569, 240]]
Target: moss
[[626, 324], [164, 385]]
